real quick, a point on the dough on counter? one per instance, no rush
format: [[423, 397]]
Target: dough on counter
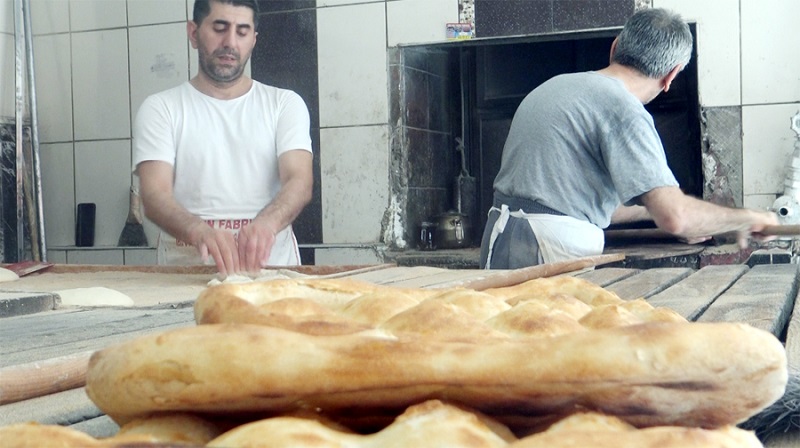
[[7, 275], [93, 296]]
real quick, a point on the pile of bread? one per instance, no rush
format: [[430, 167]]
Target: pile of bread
[[555, 362]]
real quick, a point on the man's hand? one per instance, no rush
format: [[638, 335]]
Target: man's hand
[[255, 244], [759, 221], [219, 244]]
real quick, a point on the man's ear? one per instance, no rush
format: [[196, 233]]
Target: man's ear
[[667, 80], [613, 49], [191, 31]]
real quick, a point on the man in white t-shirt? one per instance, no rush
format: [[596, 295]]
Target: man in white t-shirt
[[224, 162]]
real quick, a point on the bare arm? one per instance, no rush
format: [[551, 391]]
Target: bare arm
[[297, 180], [624, 214], [692, 218], [156, 179]]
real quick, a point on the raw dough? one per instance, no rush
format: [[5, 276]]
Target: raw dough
[[94, 296], [7, 275]]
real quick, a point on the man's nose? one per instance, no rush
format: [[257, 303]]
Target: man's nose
[[229, 39]]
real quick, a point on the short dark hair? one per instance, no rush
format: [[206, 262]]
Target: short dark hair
[[202, 8], [654, 41]]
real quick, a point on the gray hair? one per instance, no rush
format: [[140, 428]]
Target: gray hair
[[653, 42]]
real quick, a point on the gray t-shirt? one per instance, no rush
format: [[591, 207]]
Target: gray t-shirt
[[582, 144]]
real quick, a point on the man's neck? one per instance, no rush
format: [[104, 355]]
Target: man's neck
[[222, 91], [639, 85]]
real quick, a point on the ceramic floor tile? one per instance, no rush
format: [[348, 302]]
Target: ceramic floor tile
[[352, 66], [354, 175]]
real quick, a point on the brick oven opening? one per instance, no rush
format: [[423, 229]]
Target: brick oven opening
[[477, 86]]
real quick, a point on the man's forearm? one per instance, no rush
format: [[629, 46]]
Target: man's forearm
[[632, 213], [170, 216], [690, 217], [286, 206]]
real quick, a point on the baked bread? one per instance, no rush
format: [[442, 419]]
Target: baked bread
[[602, 431], [431, 424], [658, 373]]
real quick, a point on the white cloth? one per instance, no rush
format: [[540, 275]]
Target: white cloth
[[224, 152], [285, 252], [560, 238]]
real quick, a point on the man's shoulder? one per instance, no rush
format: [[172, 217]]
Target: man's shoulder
[[273, 91]]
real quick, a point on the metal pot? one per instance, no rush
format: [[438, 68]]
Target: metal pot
[[453, 230]]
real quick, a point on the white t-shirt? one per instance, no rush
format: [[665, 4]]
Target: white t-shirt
[[224, 152]]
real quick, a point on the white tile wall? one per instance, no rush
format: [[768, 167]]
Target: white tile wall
[[102, 176], [351, 43], [355, 183], [148, 12], [769, 142], [717, 48], [58, 193], [323, 3], [759, 201], [56, 256], [7, 16], [49, 16], [346, 256], [53, 87], [158, 58], [96, 256], [405, 24], [100, 84], [7, 76], [97, 14], [770, 62], [140, 256]]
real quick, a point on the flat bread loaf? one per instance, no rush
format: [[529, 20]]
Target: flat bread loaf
[[431, 424], [658, 373], [360, 354]]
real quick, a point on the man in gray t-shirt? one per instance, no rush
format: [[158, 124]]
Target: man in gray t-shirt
[[583, 152]]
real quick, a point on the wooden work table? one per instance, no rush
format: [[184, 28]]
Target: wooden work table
[[762, 296]]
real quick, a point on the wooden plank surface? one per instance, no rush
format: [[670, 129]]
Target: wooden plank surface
[[34, 337], [763, 297], [606, 276], [694, 294], [648, 282]]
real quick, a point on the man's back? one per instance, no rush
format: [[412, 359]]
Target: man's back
[[573, 144]]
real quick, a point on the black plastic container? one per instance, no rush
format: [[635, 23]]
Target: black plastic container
[[84, 225]]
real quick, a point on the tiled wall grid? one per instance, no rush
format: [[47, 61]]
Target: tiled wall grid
[[96, 60]]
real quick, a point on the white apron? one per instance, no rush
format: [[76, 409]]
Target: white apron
[[560, 237], [285, 251]]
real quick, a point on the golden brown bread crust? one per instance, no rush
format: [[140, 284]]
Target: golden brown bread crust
[[602, 431], [658, 373], [431, 424]]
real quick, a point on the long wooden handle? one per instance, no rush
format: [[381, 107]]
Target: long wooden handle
[[493, 279], [779, 230], [36, 379]]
